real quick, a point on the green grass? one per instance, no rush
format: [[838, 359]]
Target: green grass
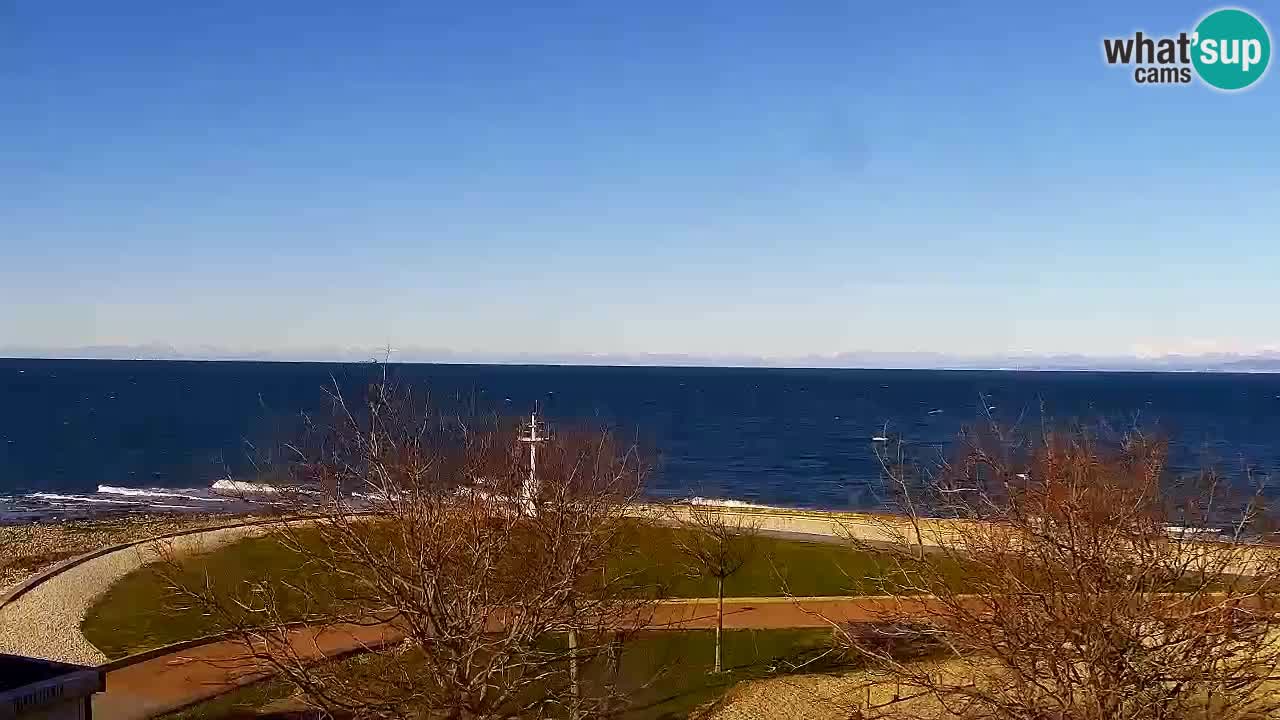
[[667, 673], [242, 702], [139, 612], [664, 674], [775, 567]]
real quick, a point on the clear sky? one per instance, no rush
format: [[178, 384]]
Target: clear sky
[[747, 176]]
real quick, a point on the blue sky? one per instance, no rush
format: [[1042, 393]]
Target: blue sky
[[761, 178]]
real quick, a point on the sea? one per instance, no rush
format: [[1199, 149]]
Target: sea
[[80, 438]]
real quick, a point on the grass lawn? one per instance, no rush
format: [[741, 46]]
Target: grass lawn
[[669, 671], [139, 612], [663, 673], [775, 567], [240, 703]]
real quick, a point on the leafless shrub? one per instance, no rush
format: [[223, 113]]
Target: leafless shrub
[[419, 545], [1072, 579]]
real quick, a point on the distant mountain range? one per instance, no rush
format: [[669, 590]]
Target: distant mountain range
[[1211, 362]]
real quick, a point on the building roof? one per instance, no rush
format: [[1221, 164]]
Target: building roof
[[28, 683]]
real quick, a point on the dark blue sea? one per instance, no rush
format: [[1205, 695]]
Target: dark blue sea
[[88, 436]]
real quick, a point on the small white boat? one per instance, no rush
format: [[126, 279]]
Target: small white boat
[[879, 438]]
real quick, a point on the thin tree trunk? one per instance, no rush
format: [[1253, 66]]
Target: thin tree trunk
[[573, 675], [719, 618]]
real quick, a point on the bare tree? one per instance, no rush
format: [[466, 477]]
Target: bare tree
[[1073, 579], [716, 545], [417, 541]]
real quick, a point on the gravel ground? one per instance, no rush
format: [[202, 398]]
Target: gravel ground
[[45, 622], [813, 697], [28, 549], [822, 697]]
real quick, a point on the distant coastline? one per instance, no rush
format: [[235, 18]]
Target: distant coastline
[[1244, 363]]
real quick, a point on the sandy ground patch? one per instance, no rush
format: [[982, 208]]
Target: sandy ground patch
[[31, 548], [823, 697], [45, 622]]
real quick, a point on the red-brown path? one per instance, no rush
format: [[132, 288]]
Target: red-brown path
[[777, 612], [184, 677], [173, 681]]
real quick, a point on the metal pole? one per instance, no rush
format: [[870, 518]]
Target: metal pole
[[529, 493], [532, 489]]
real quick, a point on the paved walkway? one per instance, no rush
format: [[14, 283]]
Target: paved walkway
[[184, 677], [181, 678], [775, 612]]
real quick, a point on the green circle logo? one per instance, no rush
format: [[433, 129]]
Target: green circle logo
[[1232, 49]]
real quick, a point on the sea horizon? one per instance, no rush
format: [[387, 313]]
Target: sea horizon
[[152, 431], [691, 365]]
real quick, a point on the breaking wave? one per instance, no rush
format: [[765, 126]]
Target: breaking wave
[[183, 494], [726, 502], [240, 487], [58, 497]]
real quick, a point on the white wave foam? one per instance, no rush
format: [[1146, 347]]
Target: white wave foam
[[185, 494], [56, 497], [726, 502], [375, 496], [240, 487]]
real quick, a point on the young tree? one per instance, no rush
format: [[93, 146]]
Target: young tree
[[414, 522], [716, 544], [1068, 578]]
